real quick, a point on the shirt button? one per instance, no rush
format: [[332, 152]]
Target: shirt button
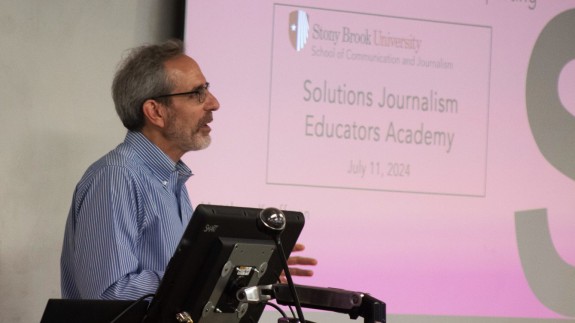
[[164, 183]]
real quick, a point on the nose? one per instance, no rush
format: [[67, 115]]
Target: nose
[[212, 103]]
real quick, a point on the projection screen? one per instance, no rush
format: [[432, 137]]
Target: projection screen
[[430, 144]]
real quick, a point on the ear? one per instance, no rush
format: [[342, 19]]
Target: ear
[[154, 113]]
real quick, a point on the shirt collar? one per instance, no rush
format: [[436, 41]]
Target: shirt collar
[[153, 157]]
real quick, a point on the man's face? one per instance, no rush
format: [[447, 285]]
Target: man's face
[[187, 121]]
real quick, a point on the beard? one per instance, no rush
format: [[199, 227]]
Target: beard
[[188, 138]]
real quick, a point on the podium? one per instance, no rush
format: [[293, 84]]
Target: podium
[[92, 311], [224, 270], [355, 304]]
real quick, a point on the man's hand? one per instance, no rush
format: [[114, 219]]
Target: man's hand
[[296, 261]]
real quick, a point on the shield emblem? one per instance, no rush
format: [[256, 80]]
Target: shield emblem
[[298, 29]]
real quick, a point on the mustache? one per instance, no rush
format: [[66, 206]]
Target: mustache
[[206, 119]]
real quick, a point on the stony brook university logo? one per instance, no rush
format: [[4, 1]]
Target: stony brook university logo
[[298, 29]]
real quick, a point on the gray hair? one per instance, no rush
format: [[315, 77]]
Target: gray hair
[[141, 76]]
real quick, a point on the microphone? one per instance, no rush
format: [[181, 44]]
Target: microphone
[[272, 222]]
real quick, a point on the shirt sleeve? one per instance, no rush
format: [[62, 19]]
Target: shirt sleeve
[[108, 224]]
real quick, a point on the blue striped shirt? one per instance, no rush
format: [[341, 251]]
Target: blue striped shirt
[[128, 214]]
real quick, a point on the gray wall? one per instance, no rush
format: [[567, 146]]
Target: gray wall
[[57, 61]]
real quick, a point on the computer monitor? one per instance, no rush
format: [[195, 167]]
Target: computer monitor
[[221, 251]]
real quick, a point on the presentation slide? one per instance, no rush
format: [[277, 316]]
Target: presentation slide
[[430, 144]]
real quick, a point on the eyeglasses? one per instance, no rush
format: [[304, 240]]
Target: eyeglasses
[[200, 93]]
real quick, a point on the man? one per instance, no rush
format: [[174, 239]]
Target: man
[[131, 207]]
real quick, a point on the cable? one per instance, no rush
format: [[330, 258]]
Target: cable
[[279, 281], [290, 281], [130, 307], [277, 308]]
